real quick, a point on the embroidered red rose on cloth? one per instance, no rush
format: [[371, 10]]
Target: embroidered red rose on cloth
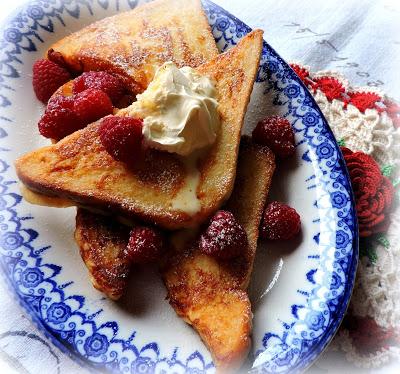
[[373, 192]]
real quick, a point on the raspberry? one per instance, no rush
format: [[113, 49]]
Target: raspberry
[[47, 77], [145, 245], [280, 221], [60, 102], [277, 133], [59, 122], [65, 114], [225, 237], [122, 137], [103, 81], [91, 105]]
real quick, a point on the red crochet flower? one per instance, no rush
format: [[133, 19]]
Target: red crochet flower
[[302, 73], [363, 100], [393, 111], [373, 192], [330, 86], [368, 337]]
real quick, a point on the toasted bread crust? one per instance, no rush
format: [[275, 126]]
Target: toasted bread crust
[[206, 297], [257, 166], [79, 168], [132, 44], [207, 293], [102, 243], [210, 294], [235, 74]]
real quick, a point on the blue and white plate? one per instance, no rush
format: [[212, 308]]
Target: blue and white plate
[[300, 289]]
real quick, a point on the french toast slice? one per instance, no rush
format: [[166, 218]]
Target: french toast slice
[[210, 294], [102, 242], [133, 44], [78, 168]]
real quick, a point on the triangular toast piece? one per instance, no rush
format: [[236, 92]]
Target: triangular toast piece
[[207, 293], [102, 243], [210, 294], [78, 167], [134, 43]]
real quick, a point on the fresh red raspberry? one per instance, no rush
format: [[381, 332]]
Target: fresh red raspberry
[[277, 133], [59, 122], [225, 237], [145, 245], [60, 102], [280, 222], [122, 137], [103, 81], [47, 77], [91, 105]]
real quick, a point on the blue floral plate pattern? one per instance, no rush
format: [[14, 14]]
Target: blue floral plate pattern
[[300, 290]]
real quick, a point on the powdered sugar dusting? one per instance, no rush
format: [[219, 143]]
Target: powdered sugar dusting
[[145, 244], [224, 237]]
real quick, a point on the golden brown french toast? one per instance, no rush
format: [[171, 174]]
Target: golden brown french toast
[[210, 294], [134, 43], [78, 167], [207, 293], [102, 242]]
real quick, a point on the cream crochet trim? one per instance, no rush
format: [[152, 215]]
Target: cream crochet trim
[[377, 289]]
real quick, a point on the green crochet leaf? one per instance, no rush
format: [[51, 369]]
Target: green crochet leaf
[[387, 170], [383, 240], [367, 250], [368, 246]]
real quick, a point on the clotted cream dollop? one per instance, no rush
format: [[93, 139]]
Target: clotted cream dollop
[[179, 110]]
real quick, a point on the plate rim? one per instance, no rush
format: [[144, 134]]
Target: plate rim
[[329, 332]]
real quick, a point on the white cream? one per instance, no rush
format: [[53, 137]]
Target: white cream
[[186, 199], [179, 110]]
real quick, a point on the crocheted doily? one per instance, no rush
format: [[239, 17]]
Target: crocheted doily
[[365, 119]]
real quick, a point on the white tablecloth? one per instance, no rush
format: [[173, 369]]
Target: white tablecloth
[[360, 39]]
